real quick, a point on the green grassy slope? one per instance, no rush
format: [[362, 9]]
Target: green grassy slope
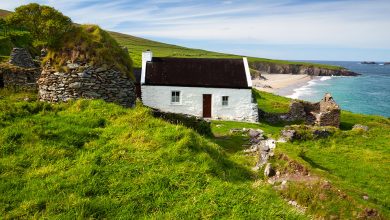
[[356, 162], [91, 159], [4, 13], [136, 45]]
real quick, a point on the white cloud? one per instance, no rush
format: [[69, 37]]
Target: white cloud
[[355, 24]]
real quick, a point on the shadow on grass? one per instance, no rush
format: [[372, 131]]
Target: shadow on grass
[[345, 126], [221, 166], [231, 144], [314, 164]]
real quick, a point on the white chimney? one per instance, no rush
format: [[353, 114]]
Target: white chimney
[[147, 56]]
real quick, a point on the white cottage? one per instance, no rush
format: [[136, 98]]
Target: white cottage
[[208, 88]]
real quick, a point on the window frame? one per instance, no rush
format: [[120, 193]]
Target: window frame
[[225, 103], [175, 97]]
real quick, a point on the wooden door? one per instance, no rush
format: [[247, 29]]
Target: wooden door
[[206, 106]]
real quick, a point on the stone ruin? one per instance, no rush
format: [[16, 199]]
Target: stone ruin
[[89, 82], [323, 113], [20, 72], [329, 112], [21, 57]]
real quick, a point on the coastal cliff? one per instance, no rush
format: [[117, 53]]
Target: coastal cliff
[[275, 68]]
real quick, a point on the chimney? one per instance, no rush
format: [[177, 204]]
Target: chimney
[[147, 56]]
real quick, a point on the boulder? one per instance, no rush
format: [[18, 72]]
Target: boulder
[[360, 127], [321, 133], [269, 171], [288, 134], [255, 133]]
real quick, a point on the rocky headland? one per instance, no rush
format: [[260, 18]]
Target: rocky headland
[[368, 62], [275, 68]]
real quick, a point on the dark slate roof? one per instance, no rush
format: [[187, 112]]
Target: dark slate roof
[[137, 75], [219, 73]]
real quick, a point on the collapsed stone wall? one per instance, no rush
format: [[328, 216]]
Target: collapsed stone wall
[[20, 72], [17, 77], [323, 113], [86, 82]]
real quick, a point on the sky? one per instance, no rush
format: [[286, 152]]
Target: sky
[[344, 30]]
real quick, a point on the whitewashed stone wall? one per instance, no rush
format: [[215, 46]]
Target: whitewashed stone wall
[[240, 106]]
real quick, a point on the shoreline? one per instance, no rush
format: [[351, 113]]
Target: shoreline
[[281, 84]]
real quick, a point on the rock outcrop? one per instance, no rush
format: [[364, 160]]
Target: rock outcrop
[[86, 82], [368, 62], [274, 68]]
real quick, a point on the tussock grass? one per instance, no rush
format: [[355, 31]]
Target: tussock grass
[[91, 159]]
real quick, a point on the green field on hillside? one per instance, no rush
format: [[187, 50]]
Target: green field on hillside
[[136, 45]]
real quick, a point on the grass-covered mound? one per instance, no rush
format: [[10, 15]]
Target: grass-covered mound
[[90, 159], [89, 44]]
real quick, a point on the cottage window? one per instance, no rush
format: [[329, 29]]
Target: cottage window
[[225, 100], [175, 97]]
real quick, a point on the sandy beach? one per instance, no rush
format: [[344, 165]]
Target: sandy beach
[[273, 83]]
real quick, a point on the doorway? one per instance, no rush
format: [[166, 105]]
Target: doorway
[[206, 105]]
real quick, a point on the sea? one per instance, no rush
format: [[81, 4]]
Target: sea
[[367, 94]]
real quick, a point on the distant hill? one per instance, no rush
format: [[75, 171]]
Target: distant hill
[[136, 45], [4, 13]]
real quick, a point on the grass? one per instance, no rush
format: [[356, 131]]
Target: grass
[[271, 103], [355, 162], [91, 159], [136, 45]]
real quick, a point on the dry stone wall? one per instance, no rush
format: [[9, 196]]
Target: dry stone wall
[[17, 77], [21, 57], [91, 83]]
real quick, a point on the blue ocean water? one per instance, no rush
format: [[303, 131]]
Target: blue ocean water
[[367, 94]]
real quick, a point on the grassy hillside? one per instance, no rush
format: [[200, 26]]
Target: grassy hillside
[[90, 159], [136, 45], [94, 159], [356, 163], [4, 13]]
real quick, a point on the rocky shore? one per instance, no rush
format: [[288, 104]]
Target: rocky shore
[[273, 68]]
